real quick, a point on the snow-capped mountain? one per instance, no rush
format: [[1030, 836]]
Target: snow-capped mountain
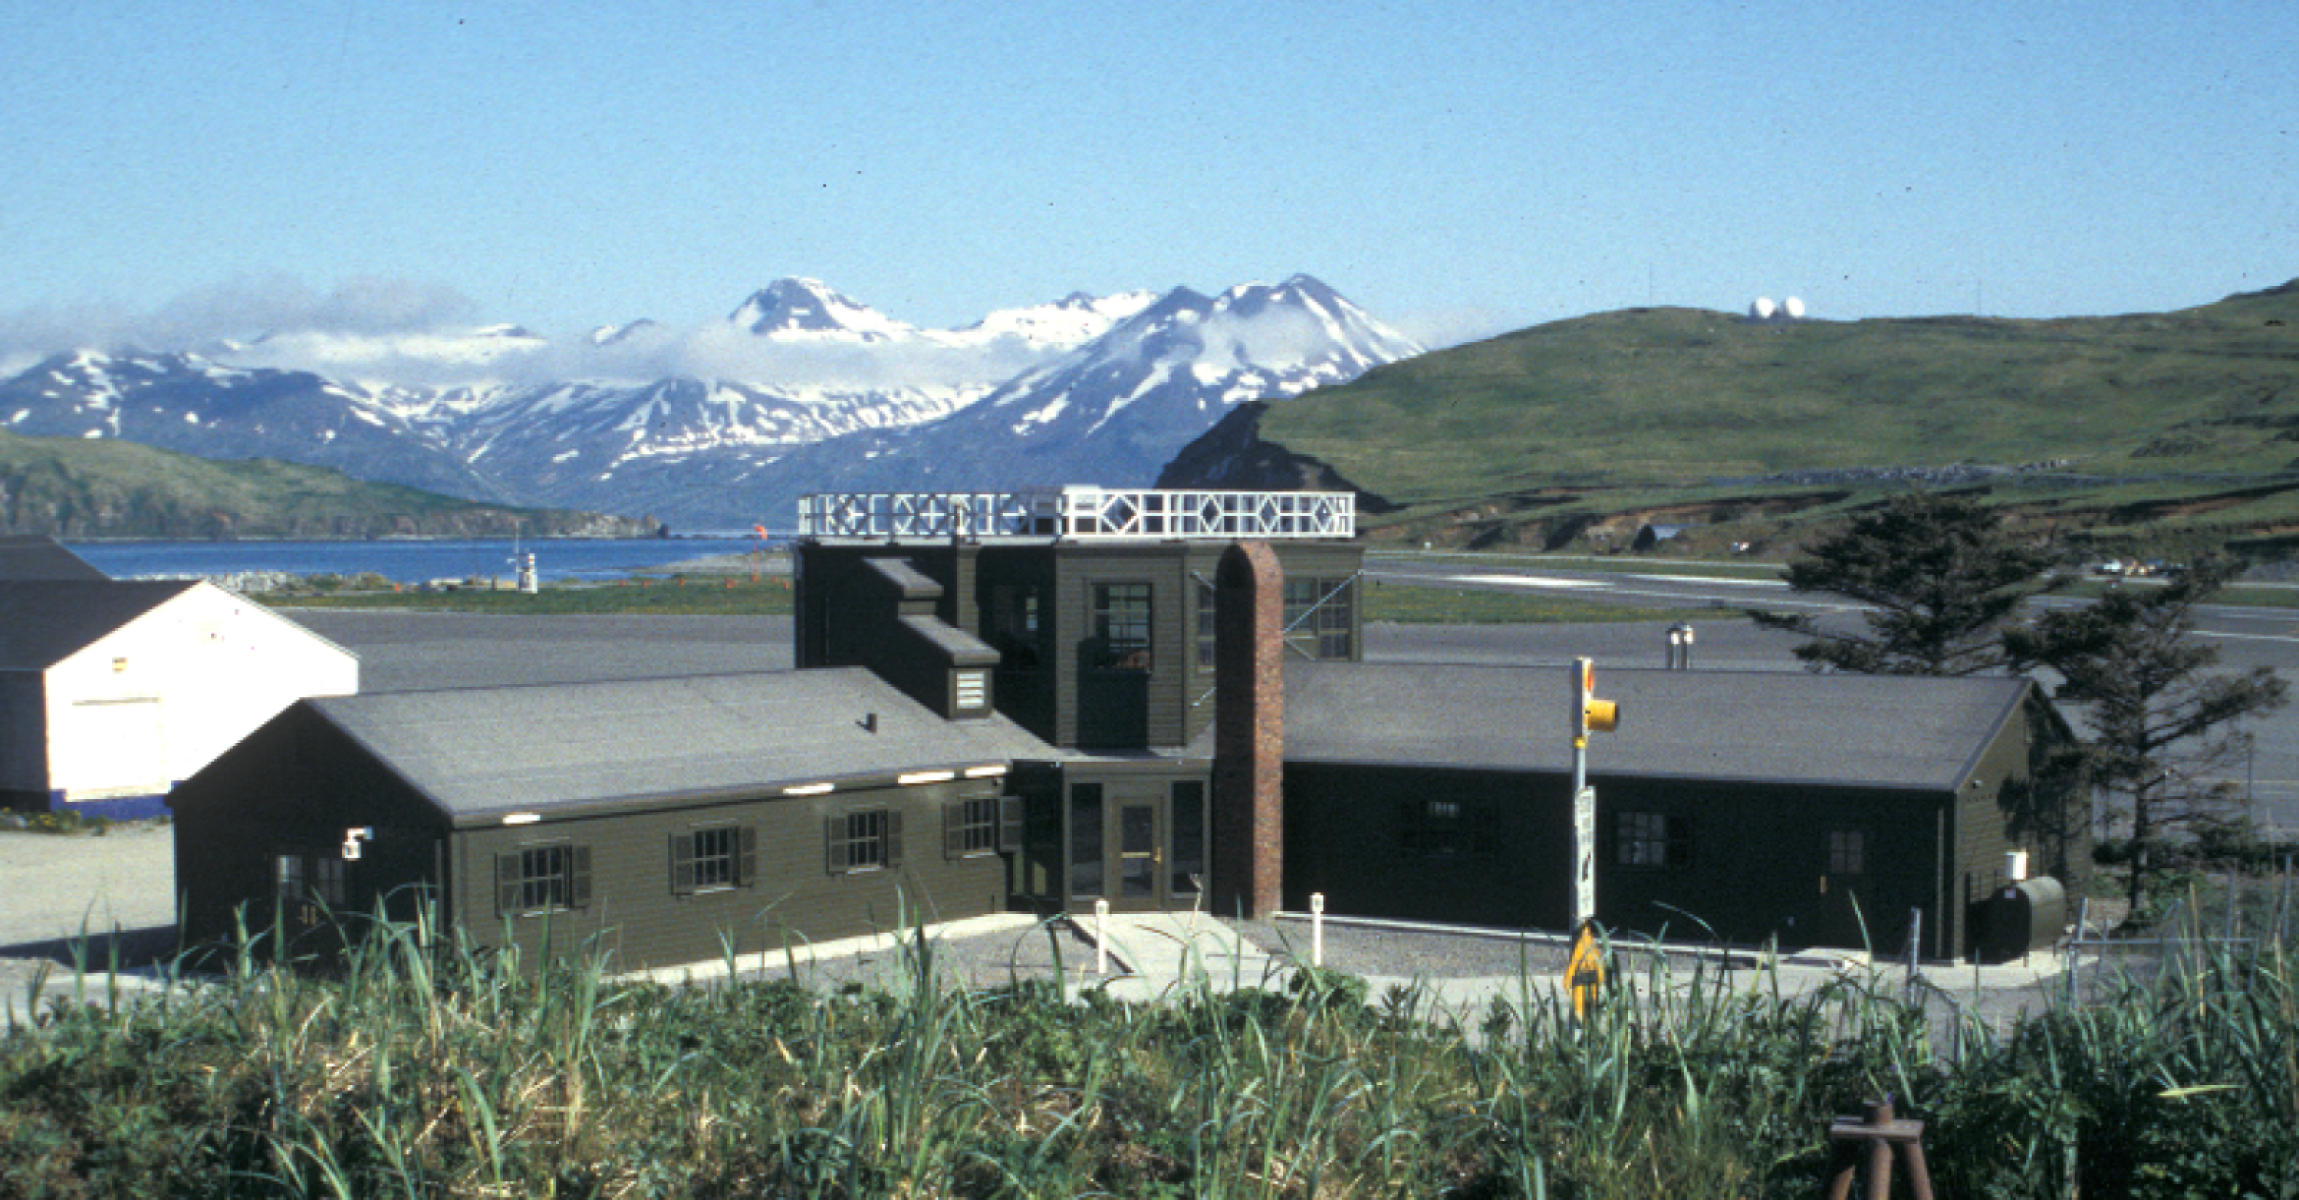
[[800, 389], [806, 308], [1115, 410], [186, 403]]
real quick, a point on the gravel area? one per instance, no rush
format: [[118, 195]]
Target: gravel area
[[109, 893]]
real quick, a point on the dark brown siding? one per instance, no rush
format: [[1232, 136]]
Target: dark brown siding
[[296, 784], [1758, 862], [794, 899]]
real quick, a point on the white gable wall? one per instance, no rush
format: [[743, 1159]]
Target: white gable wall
[[160, 697]]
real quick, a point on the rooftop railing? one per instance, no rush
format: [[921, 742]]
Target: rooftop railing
[[1081, 513]]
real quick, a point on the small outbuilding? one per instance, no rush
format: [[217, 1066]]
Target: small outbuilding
[[113, 691]]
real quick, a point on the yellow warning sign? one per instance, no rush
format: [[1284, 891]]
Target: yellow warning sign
[[1585, 969]]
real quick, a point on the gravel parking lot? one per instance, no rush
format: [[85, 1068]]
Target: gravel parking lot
[[108, 893]]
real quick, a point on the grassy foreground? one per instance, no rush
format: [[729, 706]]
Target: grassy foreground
[[415, 1073]]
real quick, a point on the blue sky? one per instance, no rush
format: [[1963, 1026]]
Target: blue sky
[[1457, 170]]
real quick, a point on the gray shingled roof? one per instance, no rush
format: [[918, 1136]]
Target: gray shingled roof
[[482, 751], [1892, 731], [36, 557], [43, 622]]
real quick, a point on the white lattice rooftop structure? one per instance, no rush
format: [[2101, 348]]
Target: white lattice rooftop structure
[[1077, 512]]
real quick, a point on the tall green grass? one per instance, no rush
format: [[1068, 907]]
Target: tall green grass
[[418, 1066]]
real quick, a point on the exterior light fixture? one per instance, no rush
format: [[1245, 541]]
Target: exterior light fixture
[[521, 818], [917, 777], [809, 789], [992, 771]]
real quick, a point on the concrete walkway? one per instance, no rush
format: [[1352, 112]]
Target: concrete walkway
[[1158, 956]]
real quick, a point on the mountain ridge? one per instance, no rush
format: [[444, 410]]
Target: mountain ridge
[[706, 447], [2177, 428]]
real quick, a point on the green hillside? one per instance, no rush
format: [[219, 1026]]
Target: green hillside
[[2171, 429], [66, 487]]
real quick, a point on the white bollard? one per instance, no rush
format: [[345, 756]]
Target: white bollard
[[1101, 937], [1317, 929]]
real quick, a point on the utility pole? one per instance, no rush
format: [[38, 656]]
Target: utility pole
[[1588, 713]]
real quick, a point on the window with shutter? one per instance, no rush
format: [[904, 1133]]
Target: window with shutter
[[970, 827], [864, 840], [541, 879]]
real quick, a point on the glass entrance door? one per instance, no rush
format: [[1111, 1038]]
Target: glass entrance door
[[1139, 845], [1140, 857]]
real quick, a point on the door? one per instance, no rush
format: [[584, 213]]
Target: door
[[1124, 845], [1847, 917], [1139, 857]]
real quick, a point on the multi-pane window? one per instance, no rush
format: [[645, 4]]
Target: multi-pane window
[[1085, 840], [1648, 839], [1122, 626], [1847, 852], [713, 857], [301, 877], [864, 840], [1014, 625], [1319, 614], [970, 827], [540, 879], [1188, 837], [1443, 829]]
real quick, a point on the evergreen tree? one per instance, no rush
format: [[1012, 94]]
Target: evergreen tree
[[1939, 578], [2165, 724]]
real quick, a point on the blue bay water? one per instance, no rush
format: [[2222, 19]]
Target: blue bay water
[[411, 561]]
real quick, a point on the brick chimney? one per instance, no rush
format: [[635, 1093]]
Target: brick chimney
[[1249, 732]]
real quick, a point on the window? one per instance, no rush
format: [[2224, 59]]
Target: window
[[1188, 837], [971, 827], [1444, 829], [1647, 839], [541, 879], [864, 840], [1318, 616], [314, 875], [1847, 852], [1085, 840], [1122, 626], [713, 858], [1014, 625]]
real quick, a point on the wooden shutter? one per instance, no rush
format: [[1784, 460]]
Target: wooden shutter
[[954, 829], [834, 837], [579, 877], [1010, 818], [682, 863], [746, 856], [893, 837], [1679, 852], [507, 884]]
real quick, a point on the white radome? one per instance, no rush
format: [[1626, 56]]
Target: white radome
[[1762, 308], [1793, 307]]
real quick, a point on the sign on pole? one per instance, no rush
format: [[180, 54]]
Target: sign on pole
[[1585, 969], [1584, 856]]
